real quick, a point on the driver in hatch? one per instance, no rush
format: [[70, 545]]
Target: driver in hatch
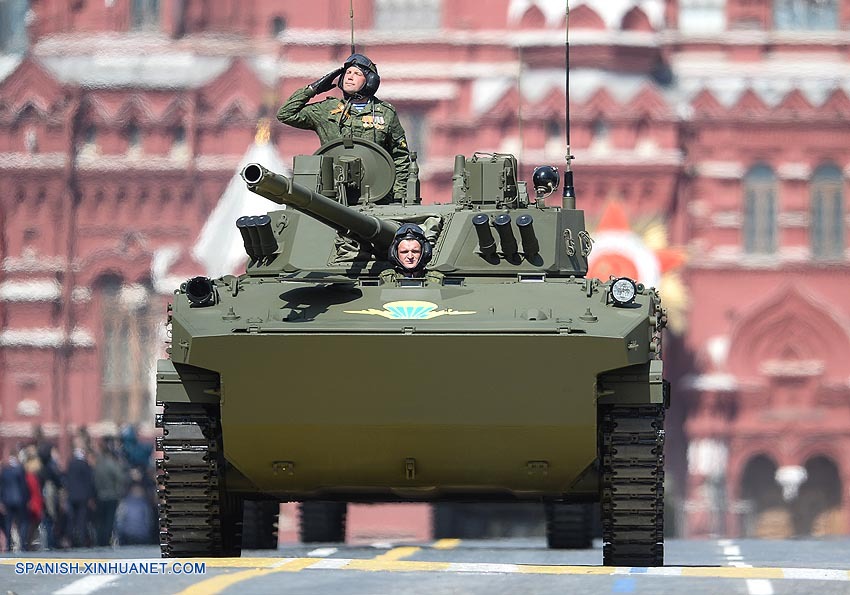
[[410, 251]]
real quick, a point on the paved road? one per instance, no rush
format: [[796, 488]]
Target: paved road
[[444, 567]]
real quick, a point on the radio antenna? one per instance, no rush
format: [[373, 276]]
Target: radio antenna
[[569, 197], [519, 102], [351, 18]]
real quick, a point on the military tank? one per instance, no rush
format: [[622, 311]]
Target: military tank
[[323, 375]]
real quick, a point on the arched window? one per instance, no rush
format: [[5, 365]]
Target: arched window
[[13, 30], [88, 142], [827, 212], [144, 15], [701, 16], [760, 210], [179, 147], [415, 122], [805, 15], [819, 512], [644, 140], [278, 25], [400, 15], [600, 133], [128, 349], [134, 138], [554, 143], [765, 512]]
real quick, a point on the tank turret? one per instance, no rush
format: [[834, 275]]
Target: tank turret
[[344, 219], [490, 227]]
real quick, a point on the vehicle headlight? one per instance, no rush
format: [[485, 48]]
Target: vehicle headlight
[[623, 291]]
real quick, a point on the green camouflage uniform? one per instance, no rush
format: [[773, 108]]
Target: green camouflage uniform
[[323, 117]]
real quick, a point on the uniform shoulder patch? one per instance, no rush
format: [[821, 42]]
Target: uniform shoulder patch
[[387, 106]]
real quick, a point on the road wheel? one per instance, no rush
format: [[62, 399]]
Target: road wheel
[[568, 526], [259, 524], [322, 522]]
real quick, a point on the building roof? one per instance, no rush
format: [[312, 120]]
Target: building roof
[[138, 70], [815, 76]]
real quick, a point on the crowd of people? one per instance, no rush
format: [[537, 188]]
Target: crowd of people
[[104, 494]]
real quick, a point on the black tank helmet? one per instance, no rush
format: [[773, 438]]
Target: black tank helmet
[[410, 231], [369, 70]]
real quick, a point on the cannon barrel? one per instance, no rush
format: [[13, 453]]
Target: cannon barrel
[[284, 191]]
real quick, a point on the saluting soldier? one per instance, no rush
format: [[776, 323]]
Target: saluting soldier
[[359, 115]]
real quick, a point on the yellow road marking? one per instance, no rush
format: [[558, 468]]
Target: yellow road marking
[[385, 565], [735, 572], [541, 569], [446, 544], [397, 553], [298, 564], [217, 584], [241, 562]]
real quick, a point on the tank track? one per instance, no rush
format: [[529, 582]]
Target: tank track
[[632, 454], [196, 515]]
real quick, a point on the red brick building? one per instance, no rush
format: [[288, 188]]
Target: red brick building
[[122, 123]]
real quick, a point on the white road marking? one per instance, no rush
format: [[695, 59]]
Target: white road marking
[[664, 571], [322, 552], [331, 564], [733, 556], [383, 545], [482, 567], [759, 586], [88, 584], [817, 574]]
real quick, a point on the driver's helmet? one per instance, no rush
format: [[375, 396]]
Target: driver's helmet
[[410, 231]]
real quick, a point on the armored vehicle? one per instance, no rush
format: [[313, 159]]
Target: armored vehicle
[[323, 375]]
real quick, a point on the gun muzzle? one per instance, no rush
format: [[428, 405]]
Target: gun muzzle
[[530, 245], [506, 235], [245, 225], [486, 241]]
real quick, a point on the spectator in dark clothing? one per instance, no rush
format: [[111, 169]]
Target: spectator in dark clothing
[[14, 496], [51, 482], [137, 455], [134, 521], [79, 482], [109, 484]]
